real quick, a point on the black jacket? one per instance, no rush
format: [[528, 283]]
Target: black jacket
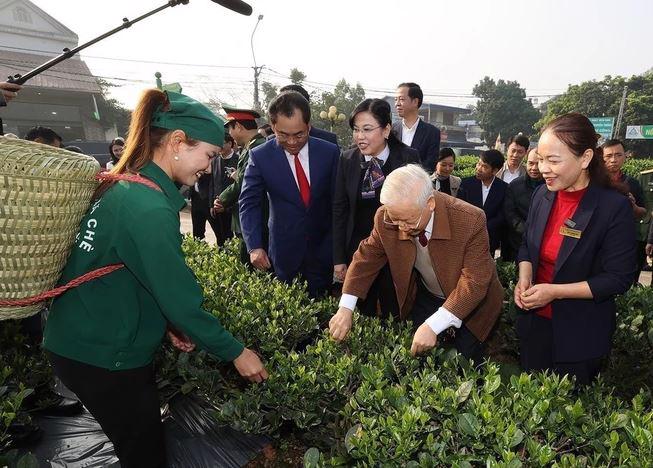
[[324, 135], [426, 141], [493, 206], [346, 195], [219, 178], [604, 256], [515, 208]]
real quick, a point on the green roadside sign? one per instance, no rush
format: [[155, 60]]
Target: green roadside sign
[[639, 132], [603, 126]]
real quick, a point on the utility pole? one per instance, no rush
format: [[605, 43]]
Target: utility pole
[[615, 133], [257, 69]]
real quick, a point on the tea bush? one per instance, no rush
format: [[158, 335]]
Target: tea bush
[[465, 165], [367, 402]]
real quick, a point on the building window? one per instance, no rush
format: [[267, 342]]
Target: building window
[[447, 118], [21, 15]]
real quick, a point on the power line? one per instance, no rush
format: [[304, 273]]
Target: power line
[[155, 62]]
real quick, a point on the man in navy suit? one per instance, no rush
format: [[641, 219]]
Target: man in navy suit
[[298, 174], [412, 130], [315, 132], [487, 192]]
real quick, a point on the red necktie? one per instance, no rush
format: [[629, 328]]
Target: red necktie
[[304, 186], [422, 239]]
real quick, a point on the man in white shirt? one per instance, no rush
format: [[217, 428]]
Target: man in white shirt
[[412, 130], [437, 250], [487, 192], [297, 172], [514, 165]]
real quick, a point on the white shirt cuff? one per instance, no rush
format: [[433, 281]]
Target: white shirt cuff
[[441, 320], [348, 301]]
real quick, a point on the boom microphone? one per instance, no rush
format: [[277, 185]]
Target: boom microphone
[[235, 5]]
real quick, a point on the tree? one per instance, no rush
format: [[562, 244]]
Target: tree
[[591, 98], [112, 113], [345, 97], [503, 109], [269, 91], [297, 77], [603, 98]]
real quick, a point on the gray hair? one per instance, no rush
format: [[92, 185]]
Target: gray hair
[[410, 182]]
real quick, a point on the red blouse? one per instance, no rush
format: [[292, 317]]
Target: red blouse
[[563, 208]]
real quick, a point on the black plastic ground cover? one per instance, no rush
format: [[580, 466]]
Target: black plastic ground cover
[[193, 439]]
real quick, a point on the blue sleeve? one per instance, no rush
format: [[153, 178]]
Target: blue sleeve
[[617, 254], [249, 203]]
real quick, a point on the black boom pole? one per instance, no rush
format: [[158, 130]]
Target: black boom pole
[[67, 53]]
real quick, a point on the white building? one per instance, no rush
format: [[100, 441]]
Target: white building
[[62, 97]]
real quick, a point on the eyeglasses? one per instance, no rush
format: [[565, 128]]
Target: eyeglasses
[[296, 136], [364, 130], [404, 224]]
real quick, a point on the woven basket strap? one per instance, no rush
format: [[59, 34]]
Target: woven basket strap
[[52, 293], [91, 275], [137, 178]]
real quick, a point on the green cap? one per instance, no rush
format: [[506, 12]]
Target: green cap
[[191, 116]]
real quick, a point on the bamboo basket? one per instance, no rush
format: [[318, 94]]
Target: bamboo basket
[[44, 193]]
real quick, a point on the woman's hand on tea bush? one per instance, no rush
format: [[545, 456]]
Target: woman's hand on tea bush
[[250, 366]]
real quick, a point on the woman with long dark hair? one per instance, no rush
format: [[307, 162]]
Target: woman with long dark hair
[[361, 173], [102, 336], [577, 254]]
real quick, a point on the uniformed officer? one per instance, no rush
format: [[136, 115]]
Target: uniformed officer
[[241, 124], [102, 336]]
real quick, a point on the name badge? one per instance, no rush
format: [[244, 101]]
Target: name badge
[[569, 232]]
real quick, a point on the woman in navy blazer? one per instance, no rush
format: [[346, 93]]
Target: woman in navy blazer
[[578, 253]]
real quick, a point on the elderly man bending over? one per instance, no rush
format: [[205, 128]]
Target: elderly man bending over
[[438, 251]]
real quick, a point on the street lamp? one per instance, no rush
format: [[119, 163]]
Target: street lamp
[[333, 117], [257, 70]]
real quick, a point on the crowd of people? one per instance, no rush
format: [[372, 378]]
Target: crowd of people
[[387, 217]]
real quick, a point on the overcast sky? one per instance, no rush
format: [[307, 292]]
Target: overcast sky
[[446, 46]]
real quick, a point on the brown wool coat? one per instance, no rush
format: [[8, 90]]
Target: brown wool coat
[[459, 249]]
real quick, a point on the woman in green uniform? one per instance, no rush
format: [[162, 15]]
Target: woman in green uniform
[[102, 336]]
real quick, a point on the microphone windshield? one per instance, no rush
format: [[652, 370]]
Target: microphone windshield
[[235, 5]]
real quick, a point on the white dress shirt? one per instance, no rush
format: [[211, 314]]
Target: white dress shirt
[[485, 190], [303, 159], [408, 133], [441, 318]]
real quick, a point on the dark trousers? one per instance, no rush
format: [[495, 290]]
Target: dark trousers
[[126, 405], [641, 259], [200, 213], [381, 299], [221, 225], [536, 348], [464, 341]]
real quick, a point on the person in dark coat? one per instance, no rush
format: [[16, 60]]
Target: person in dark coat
[[296, 173], [614, 156], [223, 171], [577, 254], [412, 130], [487, 192], [516, 204], [361, 173]]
